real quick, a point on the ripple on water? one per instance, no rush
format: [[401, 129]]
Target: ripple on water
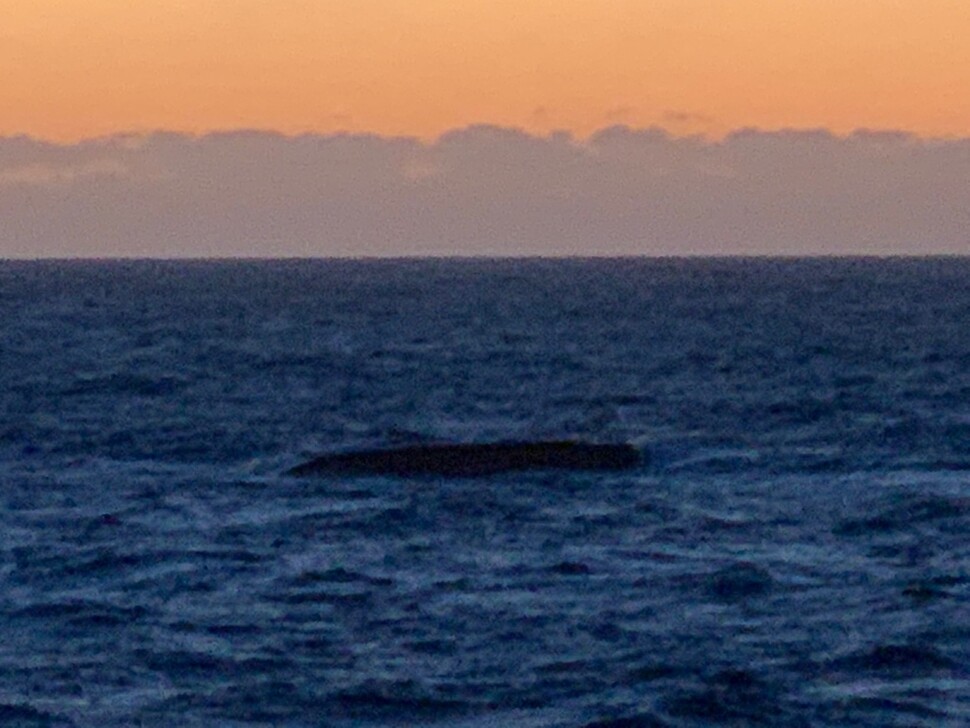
[[640, 720], [903, 516], [738, 582], [901, 659]]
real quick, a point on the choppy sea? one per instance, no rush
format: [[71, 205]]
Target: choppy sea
[[792, 551]]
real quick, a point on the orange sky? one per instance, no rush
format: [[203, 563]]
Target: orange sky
[[77, 68]]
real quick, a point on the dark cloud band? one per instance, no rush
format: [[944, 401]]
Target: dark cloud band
[[485, 191]]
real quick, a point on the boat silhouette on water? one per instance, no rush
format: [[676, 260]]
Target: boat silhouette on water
[[470, 460]]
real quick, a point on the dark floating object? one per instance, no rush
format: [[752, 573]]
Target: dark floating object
[[474, 459]]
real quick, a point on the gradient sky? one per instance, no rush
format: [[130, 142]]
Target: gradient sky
[[73, 69], [547, 127]]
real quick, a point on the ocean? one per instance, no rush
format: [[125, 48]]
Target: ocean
[[792, 550]]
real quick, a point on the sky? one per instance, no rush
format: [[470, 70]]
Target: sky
[[106, 105]]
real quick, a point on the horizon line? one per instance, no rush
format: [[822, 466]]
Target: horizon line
[[568, 134], [484, 257]]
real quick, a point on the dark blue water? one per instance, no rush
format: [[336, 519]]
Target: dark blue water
[[793, 550]]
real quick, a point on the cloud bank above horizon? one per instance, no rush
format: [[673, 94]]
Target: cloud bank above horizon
[[485, 190]]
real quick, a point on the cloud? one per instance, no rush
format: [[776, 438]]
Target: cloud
[[52, 174], [689, 118], [485, 190]]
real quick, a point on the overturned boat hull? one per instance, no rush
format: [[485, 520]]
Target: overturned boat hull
[[468, 460]]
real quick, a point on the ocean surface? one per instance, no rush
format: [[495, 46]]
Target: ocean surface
[[794, 549]]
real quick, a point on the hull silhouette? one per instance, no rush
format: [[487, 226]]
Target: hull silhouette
[[473, 459]]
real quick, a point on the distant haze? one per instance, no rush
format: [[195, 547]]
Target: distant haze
[[485, 191]]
